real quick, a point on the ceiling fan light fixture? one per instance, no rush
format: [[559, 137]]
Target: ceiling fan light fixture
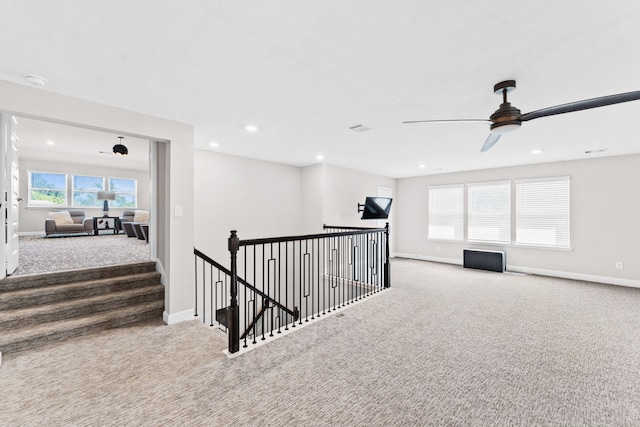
[[120, 149], [505, 127]]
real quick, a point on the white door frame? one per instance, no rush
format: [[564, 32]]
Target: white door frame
[[12, 186], [4, 130], [153, 177]]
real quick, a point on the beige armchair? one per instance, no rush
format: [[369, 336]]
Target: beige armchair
[[135, 223]]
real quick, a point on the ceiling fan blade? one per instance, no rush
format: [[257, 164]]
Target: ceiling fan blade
[[582, 105], [490, 142], [450, 121]]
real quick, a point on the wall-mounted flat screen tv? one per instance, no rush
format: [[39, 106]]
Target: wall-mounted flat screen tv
[[376, 208]]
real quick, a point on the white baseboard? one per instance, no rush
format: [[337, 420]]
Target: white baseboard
[[429, 258], [160, 269], [537, 271], [576, 276], [182, 316]]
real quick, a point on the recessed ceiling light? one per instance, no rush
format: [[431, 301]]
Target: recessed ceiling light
[[36, 80], [320, 157], [51, 142], [600, 150], [251, 128], [536, 151], [422, 166], [359, 128], [214, 144]]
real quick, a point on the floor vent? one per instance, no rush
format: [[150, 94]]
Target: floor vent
[[485, 260]]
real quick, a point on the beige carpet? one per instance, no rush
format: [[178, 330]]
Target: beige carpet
[[45, 254], [445, 346]]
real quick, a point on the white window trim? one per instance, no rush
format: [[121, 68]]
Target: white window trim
[[464, 213], [73, 190], [471, 185], [513, 223], [29, 189], [135, 192], [542, 180]]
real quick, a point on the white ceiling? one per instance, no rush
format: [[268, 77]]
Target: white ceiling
[[304, 71], [54, 142]]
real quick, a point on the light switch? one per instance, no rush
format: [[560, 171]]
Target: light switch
[[179, 210]]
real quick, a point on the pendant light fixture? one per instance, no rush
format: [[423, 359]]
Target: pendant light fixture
[[119, 148]]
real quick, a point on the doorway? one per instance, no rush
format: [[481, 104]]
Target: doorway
[[82, 162]]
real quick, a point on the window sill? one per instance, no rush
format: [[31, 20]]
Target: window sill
[[503, 245]]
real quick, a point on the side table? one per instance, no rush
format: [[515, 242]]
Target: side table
[[110, 223]]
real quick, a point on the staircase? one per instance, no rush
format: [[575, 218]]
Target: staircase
[[40, 309]]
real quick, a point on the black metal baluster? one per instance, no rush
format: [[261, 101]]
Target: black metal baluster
[[211, 307], [286, 282], [293, 277], [247, 301], [195, 314], [255, 297], [344, 264], [204, 292], [280, 286], [311, 278], [301, 279], [234, 312], [263, 300], [387, 266]]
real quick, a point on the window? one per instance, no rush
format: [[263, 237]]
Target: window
[[489, 212], [446, 212], [47, 189], [85, 190], [542, 212], [126, 192], [53, 190]]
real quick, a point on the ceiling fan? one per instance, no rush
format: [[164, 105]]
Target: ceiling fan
[[508, 118], [117, 149]]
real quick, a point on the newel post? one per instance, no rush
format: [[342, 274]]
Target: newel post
[[387, 266], [233, 313]]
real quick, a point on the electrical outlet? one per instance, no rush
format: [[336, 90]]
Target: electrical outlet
[[619, 265]]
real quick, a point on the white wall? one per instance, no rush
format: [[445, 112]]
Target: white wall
[[177, 234], [344, 189], [312, 199], [605, 201], [32, 219], [256, 198], [264, 199]]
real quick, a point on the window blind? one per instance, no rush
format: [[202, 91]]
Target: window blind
[[446, 212], [543, 213], [489, 212]]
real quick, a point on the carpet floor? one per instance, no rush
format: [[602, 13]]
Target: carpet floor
[[444, 346], [46, 254]]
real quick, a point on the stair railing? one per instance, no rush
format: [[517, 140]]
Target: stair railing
[[315, 274], [216, 281]]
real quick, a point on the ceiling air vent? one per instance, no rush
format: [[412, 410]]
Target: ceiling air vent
[[359, 128]]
